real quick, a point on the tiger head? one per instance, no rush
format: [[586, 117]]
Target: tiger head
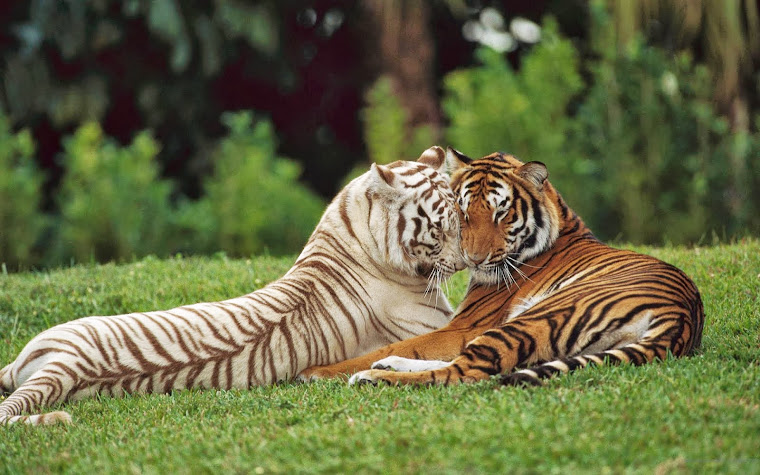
[[507, 212], [416, 217]]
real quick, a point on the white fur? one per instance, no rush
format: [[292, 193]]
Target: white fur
[[361, 377], [630, 333], [397, 363], [526, 304], [529, 372]]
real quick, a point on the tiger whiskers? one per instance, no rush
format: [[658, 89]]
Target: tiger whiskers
[[506, 275], [435, 281], [447, 292], [518, 262], [509, 262]]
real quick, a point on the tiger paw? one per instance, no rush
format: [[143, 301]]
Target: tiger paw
[[56, 417], [520, 378], [397, 363], [315, 373], [364, 377]]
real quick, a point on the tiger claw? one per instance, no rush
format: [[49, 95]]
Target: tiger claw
[[362, 377], [519, 379]]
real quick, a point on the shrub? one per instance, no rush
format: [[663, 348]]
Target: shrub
[[253, 202], [493, 108], [387, 133], [659, 163], [112, 204], [640, 152], [21, 221], [386, 128]]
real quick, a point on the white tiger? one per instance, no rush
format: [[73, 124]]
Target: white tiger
[[368, 276]]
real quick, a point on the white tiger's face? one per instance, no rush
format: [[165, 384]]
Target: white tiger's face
[[422, 230], [430, 235]]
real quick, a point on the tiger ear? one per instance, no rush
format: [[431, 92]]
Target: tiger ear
[[434, 157], [456, 159], [534, 172], [382, 176]]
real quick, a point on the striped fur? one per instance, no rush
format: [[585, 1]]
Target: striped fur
[[368, 276], [544, 295]]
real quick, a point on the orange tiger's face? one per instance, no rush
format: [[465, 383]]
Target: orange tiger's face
[[504, 217]]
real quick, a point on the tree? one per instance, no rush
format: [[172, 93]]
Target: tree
[[728, 31], [400, 48]]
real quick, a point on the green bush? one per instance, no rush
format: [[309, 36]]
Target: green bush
[[640, 152], [387, 132], [21, 221], [112, 204], [493, 108], [658, 161], [386, 126], [253, 202]]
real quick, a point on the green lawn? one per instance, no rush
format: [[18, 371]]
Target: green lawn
[[691, 415]]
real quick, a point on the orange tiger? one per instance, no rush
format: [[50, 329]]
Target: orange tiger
[[545, 295], [368, 276]]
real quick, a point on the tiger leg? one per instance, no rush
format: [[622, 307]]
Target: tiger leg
[[494, 352], [444, 344], [646, 350], [44, 388]]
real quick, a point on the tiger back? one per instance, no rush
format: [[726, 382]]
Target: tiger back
[[545, 295], [368, 276]]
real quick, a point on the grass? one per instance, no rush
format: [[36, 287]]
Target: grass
[[690, 415]]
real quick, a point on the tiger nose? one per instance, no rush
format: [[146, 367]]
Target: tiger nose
[[476, 259]]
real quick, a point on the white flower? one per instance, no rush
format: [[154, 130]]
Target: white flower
[[491, 19], [669, 83], [525, 30], [501, 41], [472, 30]]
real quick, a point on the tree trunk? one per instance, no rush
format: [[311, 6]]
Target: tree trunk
[[400, 45]]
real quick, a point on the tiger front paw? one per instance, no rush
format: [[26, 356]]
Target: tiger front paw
[[520, 378], [364, 377], [315, 373], [397, 363]]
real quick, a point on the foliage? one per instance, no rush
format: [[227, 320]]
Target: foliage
[[21, 221], [494, 108], [112, 204], [173, 68], [253, 202], [631, 132], [664, 165], [698, 414], [78, 31], [640, 152], [728, 33], [386, 130]]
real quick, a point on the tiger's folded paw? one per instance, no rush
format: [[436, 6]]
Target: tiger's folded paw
[[520, 378], [363, 377], [397, 363], [314, 373]]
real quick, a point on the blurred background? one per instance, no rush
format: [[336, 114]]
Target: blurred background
[[136, 127]]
